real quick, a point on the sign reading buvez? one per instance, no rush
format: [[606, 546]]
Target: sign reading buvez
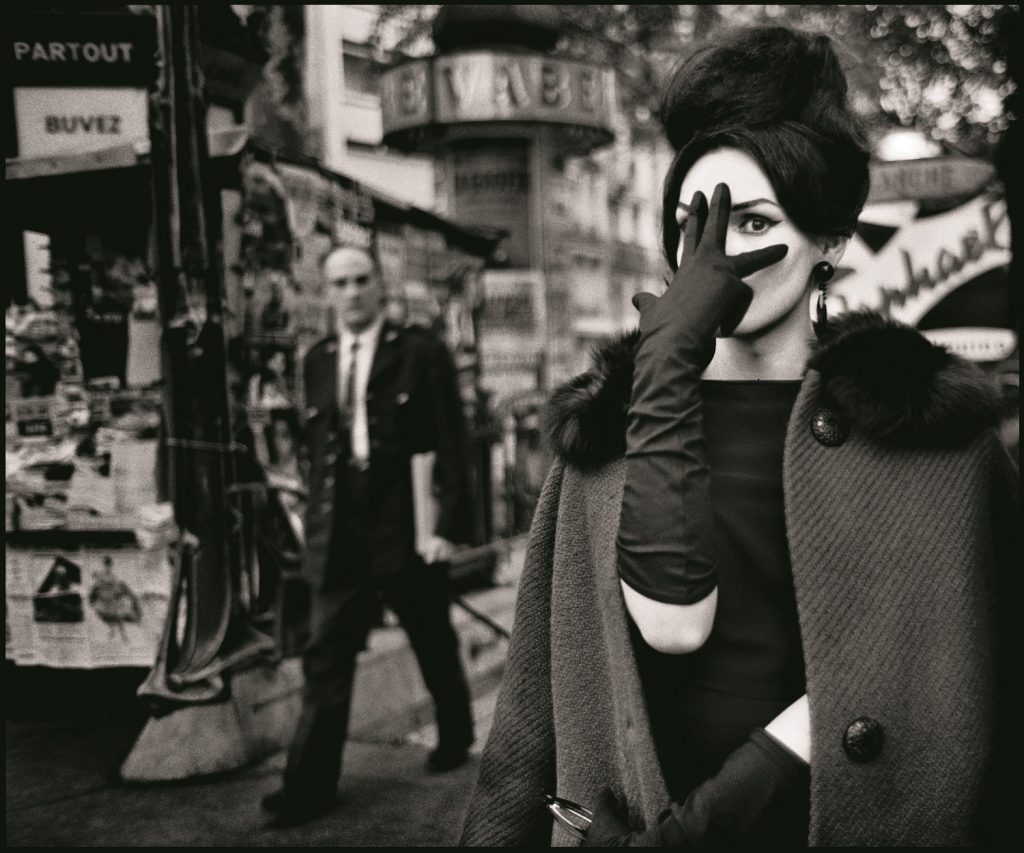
[[81, 50], [75, 121]]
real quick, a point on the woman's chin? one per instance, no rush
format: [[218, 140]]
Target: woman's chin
[[757, 323]]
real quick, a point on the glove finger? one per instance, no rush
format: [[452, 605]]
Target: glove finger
[[738, 306], [695, 221], [721, 210], [643, 299], [750, 262]]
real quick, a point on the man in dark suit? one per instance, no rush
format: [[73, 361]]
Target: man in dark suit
[[376, 395]]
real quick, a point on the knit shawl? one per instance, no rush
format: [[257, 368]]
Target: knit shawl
[[902, 542]]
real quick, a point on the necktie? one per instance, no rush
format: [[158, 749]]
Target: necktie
[[349, 403]]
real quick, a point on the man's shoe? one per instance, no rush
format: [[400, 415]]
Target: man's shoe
[[289, 812], [447, 758]]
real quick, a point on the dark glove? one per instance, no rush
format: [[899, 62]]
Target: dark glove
[[758, 777], [664, 539], [608, 828]]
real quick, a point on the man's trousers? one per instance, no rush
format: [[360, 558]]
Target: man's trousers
[[339, 624]]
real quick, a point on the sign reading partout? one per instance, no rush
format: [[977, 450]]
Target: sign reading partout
[[81, 50]]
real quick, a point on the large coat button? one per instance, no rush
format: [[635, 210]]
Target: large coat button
[[863, 739], [829, 427]]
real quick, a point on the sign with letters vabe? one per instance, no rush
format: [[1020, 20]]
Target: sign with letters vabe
[[497, 86], [79, 81]]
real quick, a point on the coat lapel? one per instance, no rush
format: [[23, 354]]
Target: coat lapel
[[322, 373], [388, 352]]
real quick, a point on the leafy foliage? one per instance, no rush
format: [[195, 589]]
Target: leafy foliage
[[941, 69], [277, 105]]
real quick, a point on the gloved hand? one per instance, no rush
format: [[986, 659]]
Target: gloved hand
[[707, 294], [608, 827], [664, 538], [758, 777]]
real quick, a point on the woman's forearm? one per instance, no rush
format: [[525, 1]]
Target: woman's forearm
[[792, 729], [672, 629]]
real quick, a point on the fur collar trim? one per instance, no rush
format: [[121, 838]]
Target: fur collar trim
[[886, 377]]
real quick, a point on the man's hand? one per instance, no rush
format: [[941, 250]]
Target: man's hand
[[438, 550]]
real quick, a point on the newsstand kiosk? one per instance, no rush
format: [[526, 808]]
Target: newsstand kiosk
[[166, 294]]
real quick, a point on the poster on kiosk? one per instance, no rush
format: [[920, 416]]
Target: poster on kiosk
[[87, 577]]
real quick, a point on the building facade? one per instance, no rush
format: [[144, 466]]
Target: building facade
[[582, 218]]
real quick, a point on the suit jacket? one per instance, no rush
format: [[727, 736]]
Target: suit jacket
[[412, 406], [901, 515]]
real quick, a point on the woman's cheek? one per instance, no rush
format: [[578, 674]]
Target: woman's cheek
[[774, 283], [760, 281]]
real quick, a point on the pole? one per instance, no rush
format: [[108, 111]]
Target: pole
[[190, 284], [476, 614]]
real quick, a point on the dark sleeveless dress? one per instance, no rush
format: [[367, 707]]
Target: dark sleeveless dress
[[705, 704]]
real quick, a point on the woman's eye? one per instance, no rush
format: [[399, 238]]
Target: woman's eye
[[751, 223]]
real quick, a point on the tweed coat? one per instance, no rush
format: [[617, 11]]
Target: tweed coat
[[412, 406], [901, 508]]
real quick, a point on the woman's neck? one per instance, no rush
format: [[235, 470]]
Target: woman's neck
[[779, 352]]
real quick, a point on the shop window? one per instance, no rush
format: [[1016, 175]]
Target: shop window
[[362, 75]]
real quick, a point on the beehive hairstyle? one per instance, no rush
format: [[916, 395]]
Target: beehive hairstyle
[[778, 95]]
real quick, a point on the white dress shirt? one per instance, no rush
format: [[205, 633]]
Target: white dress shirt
[[364, 361]]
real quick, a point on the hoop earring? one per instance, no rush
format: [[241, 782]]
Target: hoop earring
[[821, 274]]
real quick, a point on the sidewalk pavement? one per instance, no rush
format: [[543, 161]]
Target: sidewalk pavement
[[64, 788]]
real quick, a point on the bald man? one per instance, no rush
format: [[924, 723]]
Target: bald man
[[376, 394]]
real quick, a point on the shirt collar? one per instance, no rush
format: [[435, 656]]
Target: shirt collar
[[367, 338]]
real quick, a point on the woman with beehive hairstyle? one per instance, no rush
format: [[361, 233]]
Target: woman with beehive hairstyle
[[765, 594]]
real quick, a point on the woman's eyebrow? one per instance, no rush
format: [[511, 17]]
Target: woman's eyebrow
[[743, 205]]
